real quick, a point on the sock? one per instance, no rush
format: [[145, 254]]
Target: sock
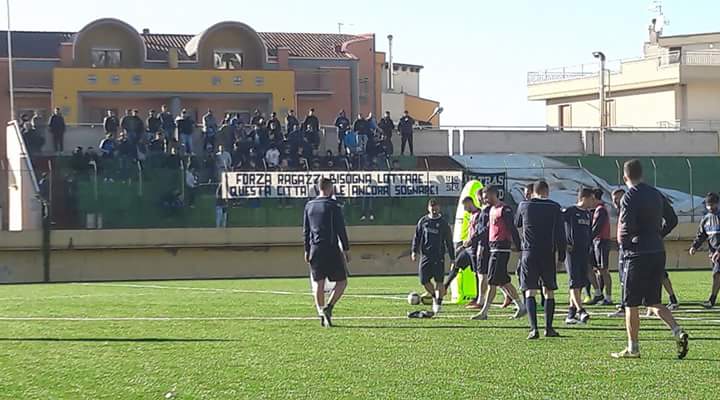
[[571, 312], [320, 310], [519, 303], [439, 301], [673, 299], [542, 299], [587, 290], [676, 330], [608, 298], [582, 311], [531, 305], [713, 299], [549, 313], [598, 292], [633, 346]]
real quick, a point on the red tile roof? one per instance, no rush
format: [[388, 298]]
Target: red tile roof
[[307, 45]]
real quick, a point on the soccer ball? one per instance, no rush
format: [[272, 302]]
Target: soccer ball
[[413, 299]]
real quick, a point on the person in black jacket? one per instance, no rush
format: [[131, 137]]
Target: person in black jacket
[[405, 126], [167, 122], [153, 124], [709, 230], [291, 122], [342, 123], [432, 240], [387, 126], [543, 239], [323, 233], [646, 217], [311, 127], [111, 123], [57, 127]]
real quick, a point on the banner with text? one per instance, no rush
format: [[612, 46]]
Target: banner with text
[[496, 179], [274, 185]]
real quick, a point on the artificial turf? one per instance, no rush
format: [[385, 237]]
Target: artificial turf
[[208, 346]]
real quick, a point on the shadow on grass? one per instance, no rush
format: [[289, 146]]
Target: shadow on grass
[[118, 340]]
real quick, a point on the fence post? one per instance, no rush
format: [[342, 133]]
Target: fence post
[[692, 193], [619, 176], [182, 178], [652, 161], [140, 178], [542, 164], [95, 180]]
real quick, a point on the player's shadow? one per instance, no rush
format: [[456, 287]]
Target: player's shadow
[[115, 340]]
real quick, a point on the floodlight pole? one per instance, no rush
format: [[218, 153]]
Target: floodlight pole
[[10, 64]]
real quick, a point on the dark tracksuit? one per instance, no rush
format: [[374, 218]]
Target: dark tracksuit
[[323, 229], [709, 230], [502, 233], [601, 237], [543, 236], [432, 240], [578, 234], [646, 217], [342, 123], [57, 129], [405, 126]]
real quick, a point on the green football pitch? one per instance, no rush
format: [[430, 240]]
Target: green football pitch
[[260, 339]]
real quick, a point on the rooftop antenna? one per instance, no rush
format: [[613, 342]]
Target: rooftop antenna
[[341, 24], [660, 21]]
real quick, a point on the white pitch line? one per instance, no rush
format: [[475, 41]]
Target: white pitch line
[[230, 290], [72, 296]]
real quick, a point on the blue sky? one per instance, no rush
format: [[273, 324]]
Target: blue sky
[[476, 53]]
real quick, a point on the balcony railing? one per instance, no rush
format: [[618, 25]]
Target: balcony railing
[[587, 70]]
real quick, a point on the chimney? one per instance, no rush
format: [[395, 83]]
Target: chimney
[[391, 78], [283, 55], [66, 54], [172, 58], [146, 31]]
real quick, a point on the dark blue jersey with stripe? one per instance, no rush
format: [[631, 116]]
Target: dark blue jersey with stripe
[[543, 227], [646, 217], [324, 225], [433, 238], [709, 230], [578, 228]]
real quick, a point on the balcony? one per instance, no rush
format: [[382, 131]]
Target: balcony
[[694, 58]]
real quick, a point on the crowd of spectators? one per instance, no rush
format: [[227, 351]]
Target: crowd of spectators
[[226, 143]]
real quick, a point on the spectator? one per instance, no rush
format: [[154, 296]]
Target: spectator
[[36, 123], [237, 156], [226, 132], [209, 167], [221, 209], [387, 126], [107, 145], [185, 127], [351, 142], [261, 136], [342, 123], [167, 122], [173, 202], [257, 117], [78, 162], [366, 202], [190, 187], [29, 134], [275, 129], [141, 149], [210, 128], [272, 157], [44, 186], [157, 144], [125, 124], [57, 129], [291, 122], [173, 159], [126, 153], [311, 127], [361, 126], [153, 123], [111, 123], [295, 140], [134, 127], [223, 161], [405, 126], [372, 123]]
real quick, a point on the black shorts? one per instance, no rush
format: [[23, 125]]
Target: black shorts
[[643, 279], [464, 259], [497, 269], [483, 264], [576, 265], [537, 270], [327, 264], [431, 269], [601, 251]]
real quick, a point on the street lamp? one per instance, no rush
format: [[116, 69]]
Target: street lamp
[[601, 57], [10, 64]]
